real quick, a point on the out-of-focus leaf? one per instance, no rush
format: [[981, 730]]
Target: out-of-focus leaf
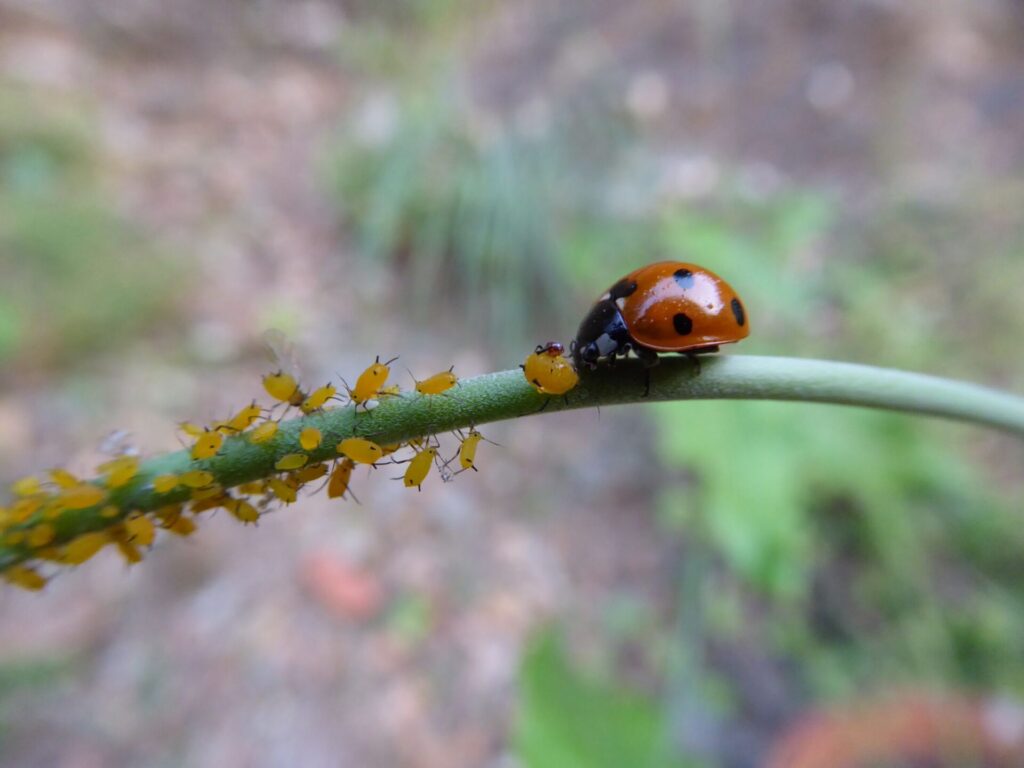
[[567, 720], [763, 467]]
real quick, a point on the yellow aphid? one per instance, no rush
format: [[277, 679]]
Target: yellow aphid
[[310, 438], [318, 398], [291, 461], [84, 547], [173, 519], [81, 496], [218, 498], [467, 451], [263, 432], [243, 511], [197, 478], [181, 526], [165, 483], [361, 450], [371, 381], [27, 486], [110, 511], [129, 552], [283, 387], [438, 383], [170, 512], [53, 554], [548, 371], [390, 448], [337, 486], [419, 468], [14, 538], [244, 419], [310, 473], [25, 577], [53, 509], [120, 471], [40, 535], [140, 530], [23, 509], [211, 491], [253, 488], [63, 478], [286, 490], [207, 445], [190, 429]]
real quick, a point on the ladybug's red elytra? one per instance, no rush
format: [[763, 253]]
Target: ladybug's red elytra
[[669, 306]]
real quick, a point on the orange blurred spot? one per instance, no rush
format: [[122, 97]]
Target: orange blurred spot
[[344, 590], [907, 725]]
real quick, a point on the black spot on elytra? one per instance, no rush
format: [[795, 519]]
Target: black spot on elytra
[[684, 278], [682, 324], [737, 311], [622, 289]]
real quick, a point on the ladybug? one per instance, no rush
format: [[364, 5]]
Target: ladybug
[[669, 306]]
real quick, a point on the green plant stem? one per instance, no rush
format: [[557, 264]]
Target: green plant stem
[[507, 395]]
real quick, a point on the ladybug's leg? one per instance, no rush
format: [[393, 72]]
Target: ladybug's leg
[[649, 358], [693, 355]]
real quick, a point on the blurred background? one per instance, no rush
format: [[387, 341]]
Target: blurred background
[[692, 585]]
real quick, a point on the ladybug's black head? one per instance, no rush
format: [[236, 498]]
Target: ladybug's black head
[[585, 355], [601, 335]]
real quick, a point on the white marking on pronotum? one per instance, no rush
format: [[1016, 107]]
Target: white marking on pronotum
[[605, 344]]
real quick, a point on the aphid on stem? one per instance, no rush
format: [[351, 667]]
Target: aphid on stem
[[437, 384]]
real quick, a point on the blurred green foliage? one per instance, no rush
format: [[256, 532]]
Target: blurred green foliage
[[36, 674], [78, 278], [481, 206], [874, 550], [471, 214], [567, 719]]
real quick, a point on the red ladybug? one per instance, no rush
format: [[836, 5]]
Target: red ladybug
[[669, 306]]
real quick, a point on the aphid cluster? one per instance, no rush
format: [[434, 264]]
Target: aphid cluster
[[34, 522]]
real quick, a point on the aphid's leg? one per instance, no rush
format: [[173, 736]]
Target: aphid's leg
[[546, 401]]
